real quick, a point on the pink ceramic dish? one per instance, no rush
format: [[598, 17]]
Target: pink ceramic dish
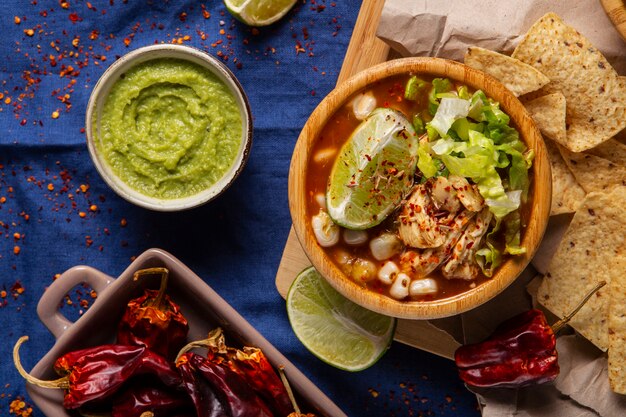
[[203, 308]]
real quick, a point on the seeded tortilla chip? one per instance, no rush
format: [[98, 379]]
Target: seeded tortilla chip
[[595, 94], [594, 173], [612, 150], [617, 329], [567, 194], [518, 77], [589, 252], [549, 114]]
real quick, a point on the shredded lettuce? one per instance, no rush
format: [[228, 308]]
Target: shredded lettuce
[[512, 232], [449, 111], [489, 257], [425, 161], [472, 137]]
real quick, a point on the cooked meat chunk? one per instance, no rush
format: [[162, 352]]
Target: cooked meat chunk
[[422, 263], [467, 193], [419, 225], [444, 195], [462, 262]]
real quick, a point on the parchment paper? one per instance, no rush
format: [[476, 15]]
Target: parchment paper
[[445, 29]]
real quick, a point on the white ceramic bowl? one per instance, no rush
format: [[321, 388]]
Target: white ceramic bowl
[[98, 98]]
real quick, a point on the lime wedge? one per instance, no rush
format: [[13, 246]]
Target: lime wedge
[[374, 170], [336, 330], [258, 12]]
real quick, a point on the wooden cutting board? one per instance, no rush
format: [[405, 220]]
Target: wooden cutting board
[[366, 50]]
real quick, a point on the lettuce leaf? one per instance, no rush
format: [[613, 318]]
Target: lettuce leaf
[[489, 257], [449, 111]]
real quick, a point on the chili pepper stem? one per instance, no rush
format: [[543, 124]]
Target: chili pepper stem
[[559, 324], [61, 383], [292, 398], [215, 340], [158, 300]]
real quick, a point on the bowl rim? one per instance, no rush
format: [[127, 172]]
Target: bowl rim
[[191, 54], [511, 268]]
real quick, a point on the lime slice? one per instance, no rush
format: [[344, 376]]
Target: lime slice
[[374, 170], [336, 330], [258, 12]]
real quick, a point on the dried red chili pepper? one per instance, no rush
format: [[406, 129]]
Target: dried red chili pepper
[[202, 395], [252, 365], [95, 373], [520, 352], [143, 396], [154, 320], [234, 393]]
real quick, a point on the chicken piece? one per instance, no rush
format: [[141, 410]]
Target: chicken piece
[[419, 220], [444, 196], [422, 263], [462, 263], [467, 193]]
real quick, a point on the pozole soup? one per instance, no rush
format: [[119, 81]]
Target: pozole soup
[[418, 188]]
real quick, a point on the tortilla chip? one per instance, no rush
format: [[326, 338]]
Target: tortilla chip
[[612, 150], [549, 114], [617, 329], [518, 77], [594, 173], [567, 194], [595, 94], [588, 254]]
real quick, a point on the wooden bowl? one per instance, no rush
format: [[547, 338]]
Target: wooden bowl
[[541, 188], [616, 10]]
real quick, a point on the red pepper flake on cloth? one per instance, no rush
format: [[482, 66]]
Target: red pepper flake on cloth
[[20, 408]]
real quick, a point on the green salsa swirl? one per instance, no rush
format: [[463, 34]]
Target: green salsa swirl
[[169, 128]]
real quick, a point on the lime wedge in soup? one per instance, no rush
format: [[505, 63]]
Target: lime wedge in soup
[[258, 12], [333, 328], [373, 171]]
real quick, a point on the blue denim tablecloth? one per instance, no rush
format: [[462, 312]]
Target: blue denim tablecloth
[[51, 54]]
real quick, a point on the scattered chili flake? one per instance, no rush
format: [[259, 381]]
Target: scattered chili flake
[[50, 187], [16, 236], [17, 20], [20, 408], [55, 114], [29, 32], [16, 250], [93, 207], [126, 41], [123, 222], [82, 214], [3, 294]]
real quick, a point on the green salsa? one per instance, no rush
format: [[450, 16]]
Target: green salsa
[[169, 128]]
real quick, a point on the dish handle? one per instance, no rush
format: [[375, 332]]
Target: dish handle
[[48, 307]]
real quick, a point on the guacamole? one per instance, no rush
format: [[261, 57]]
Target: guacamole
[[169, 128]]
